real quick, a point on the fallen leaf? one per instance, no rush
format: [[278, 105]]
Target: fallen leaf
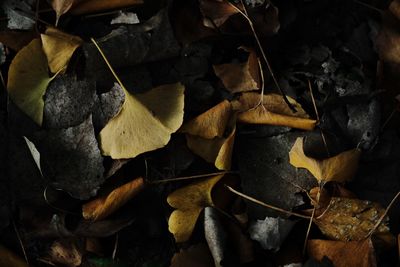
[[34, 152], [217, 150], [61, 7], [340, 168], [8, 258], [273, 111], [72, 158], [218, 11], [217, 238], [92, 6], [240, 77], [104, 206], [211, 123], [28, 79], [59, 47], [68, 101], [271, 232], [16, 40], [343, 254], [394, 8], [144, 123], [189, 201], [66, 252], [195, 256], [348, 219]]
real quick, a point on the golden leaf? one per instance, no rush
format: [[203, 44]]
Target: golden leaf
[[59, 47], [28, 79], [211, 123], [343, 254], [217, 150], [135, 129], [274, 111], [340, 168], [189, 201], [101, 207], [197, 255], [145, 122]]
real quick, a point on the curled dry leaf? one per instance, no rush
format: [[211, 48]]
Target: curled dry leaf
[[8, 258], [211, 123], [189, 201], [240, 77], [102, 207], [61, 7], [59, 47], [144, 123], [348, 219], [217, 150], [343, 254], [206, 135], [66, 252], [28, 79], [218, 11], [273, 111], [340, 168]]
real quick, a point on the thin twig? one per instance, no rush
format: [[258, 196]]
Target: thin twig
[[20, 241], [312, 218], [115, 246], [368, 6], [108, 64], [389, 118], [266, 205], [318, 117], [184, 178], [264, 56], [383, 215]]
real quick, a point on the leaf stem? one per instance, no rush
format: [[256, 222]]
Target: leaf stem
[[184, 178], [265, 204]]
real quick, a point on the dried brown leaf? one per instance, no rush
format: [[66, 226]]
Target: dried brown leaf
[[104, 206], [348, 219], [218, 11], [8, 258], [273, 111], [240, 77], [196, 256], [343, 254], [92, 6]]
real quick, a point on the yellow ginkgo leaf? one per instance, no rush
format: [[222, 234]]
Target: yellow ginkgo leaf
[[211, 123], [59, 47], [28, 79], [61, 7], [138, 128], [340, 168], [217, 150], [102, 206], [189, 201], [145, 122], [273, 111]]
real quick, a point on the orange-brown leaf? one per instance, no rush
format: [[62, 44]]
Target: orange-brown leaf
[[103, 206]]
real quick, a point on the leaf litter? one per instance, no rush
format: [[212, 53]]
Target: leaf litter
[[298, 112]]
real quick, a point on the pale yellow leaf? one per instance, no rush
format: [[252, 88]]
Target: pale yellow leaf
[[340, 168], [189, 201], [28, 79], [138, 128], [59, 47]]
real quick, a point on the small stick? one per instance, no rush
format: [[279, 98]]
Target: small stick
[[312, 218], [20, 242], [383, 215], [189, 177], [265, 204], [115, 246]]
